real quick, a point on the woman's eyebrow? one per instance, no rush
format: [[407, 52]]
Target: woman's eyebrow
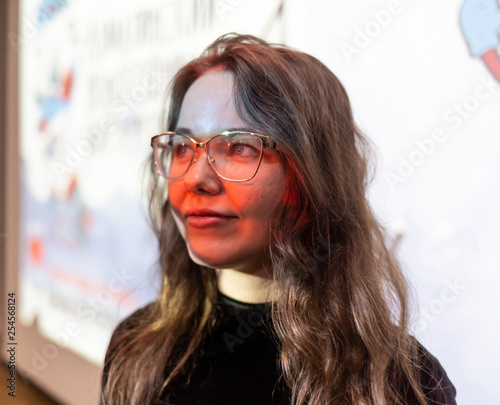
[[242, 129], [181, 130], [187, 131]]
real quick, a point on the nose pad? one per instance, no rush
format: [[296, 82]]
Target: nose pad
[[203, 160], [201, 178], [197, 154]]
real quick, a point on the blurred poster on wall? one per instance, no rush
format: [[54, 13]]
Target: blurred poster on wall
[[93, 78]]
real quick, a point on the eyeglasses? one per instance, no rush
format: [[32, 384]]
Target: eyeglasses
[[233, 155]]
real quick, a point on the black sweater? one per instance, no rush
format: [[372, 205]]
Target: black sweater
[[237, 363]]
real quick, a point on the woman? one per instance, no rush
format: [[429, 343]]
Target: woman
[[278, 286]]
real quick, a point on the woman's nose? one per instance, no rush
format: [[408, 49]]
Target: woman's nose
[[200, 177]]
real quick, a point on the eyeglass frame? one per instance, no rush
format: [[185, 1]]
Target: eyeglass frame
[[267, 142]]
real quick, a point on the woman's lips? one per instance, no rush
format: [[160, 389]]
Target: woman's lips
[[202, 221], [207, 218]]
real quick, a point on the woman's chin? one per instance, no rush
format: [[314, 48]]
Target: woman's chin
[[205, 259]]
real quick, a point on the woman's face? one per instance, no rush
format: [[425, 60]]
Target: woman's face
[[224, 224]]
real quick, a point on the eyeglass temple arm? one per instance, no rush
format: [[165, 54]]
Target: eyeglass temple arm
[[268, 143]]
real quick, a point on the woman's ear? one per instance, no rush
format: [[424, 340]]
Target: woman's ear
[[291, 197]]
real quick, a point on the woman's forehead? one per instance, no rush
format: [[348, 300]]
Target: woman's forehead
[[208, 106]]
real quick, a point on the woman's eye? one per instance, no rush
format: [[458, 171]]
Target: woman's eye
[[243, 150], [181, 150]]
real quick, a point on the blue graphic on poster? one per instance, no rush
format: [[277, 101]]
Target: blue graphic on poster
[[480, 22]]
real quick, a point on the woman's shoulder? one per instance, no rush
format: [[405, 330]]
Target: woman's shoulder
[[132, 320], [436, 385], [127, 324]]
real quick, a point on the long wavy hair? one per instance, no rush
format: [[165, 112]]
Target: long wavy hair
[[341, 311]]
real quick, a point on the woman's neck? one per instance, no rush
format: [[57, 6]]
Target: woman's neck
[[245, 287]]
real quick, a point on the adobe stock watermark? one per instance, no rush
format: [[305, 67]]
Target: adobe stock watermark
[[224, 6], [87, 312], [363, 36], [74, 156], [245, 328], [30, 26], [313, 262], [454, 116], [323, 251], [94, 137], [437, 306]]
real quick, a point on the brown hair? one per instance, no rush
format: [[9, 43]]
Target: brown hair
[[341, 313]]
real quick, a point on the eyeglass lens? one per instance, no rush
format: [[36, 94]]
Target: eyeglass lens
[[234, 156]]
